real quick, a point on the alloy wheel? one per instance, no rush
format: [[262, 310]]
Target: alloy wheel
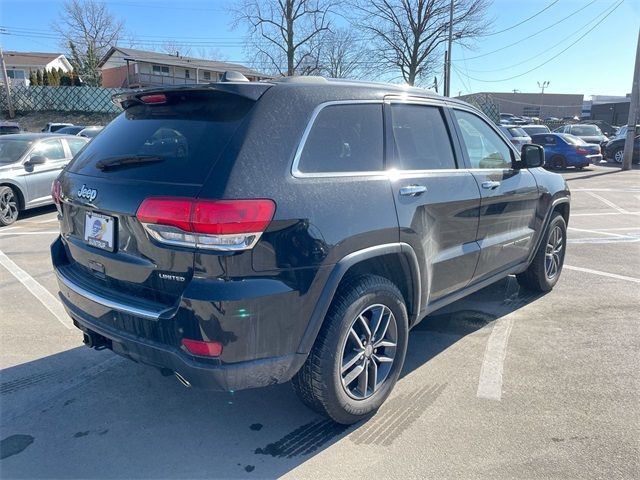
[[619, 156], [553, 252], [368, 351], [8, 207]]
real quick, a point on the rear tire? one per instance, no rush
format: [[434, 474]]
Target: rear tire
[[9, 206], [545, 269], [558, 162], [329, 382]]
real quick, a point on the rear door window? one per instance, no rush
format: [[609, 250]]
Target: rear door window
[[181, 139], [421, 139], [52, 149], [75, 145], [344, 138]]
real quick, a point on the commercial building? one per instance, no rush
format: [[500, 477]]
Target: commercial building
[[539, 105]]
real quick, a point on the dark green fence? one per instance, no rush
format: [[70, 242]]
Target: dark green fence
[[63, 99]]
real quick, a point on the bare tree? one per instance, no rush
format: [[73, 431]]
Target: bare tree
[[342, 54], [283, 35], [407, 36], [175, 48], [91, 29]]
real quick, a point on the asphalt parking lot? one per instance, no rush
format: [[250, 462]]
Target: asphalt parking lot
[[504, 384]]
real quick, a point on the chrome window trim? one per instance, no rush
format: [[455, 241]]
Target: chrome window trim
[[297, 173]]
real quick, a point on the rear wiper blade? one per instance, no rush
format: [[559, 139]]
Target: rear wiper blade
[[126, 161]]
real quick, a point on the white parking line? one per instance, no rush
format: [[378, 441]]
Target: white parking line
[[601, 232], [490, 382], [49, 301], [603, 274], [603, 214], [607, 202]]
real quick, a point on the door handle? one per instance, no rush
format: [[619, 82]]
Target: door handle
[[412, 190], [490, 185]]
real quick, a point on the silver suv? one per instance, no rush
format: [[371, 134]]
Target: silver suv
[[28, 165]]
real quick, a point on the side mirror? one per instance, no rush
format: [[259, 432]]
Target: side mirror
[[532, 156], [36, 160]]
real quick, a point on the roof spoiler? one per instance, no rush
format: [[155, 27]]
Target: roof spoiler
[[251, 90]]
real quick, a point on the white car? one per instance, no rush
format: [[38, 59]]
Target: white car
[[54, 127]]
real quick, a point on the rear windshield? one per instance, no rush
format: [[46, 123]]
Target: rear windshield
[[184, 137], [534, 130], [573, 140], [585, 130]]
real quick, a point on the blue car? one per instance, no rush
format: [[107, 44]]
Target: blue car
[[562, 150]]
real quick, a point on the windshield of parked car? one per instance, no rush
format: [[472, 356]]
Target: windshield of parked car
[[573, 140], [11, 150], [517, 132], [585, 130]]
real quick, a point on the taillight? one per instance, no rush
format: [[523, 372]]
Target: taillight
[[154, 98], [581, 151], [204, 349], [56, 194], [210, 224]]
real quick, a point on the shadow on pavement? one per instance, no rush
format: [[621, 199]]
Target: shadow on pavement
[[85, 414]]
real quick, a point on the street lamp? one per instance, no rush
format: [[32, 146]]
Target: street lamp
[[542, 86]]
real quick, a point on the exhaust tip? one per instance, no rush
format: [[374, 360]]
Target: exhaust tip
[[182, 380]]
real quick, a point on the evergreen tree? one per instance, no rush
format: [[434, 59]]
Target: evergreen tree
[[33, 78], [39, 78], [65, 79], [54, 81], [45, 78]]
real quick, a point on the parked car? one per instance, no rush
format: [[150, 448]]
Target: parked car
[[54, 127], [622, 131], [588, 133], [562, 150], [516, 134], [614, 149], [532, 130], [90, 132], [274, 250], [71, 130], [511, 119], [606, 128], [8, 128], [29, 162]]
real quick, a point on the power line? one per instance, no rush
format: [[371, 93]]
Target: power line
[[523, 21], [555, 56], [560, 42], [534, 34]]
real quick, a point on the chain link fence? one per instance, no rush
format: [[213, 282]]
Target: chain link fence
[[487, 105], [62, 99]]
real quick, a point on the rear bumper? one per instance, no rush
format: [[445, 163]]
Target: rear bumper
[[259, 345], [228, 377]]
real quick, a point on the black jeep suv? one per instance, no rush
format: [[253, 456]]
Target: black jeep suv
[[241, 234]]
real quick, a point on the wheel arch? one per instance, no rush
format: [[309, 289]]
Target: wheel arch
[[394, 261], [19, 193]]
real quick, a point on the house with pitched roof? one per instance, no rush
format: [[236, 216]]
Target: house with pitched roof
[[132, 68], [20, 64]]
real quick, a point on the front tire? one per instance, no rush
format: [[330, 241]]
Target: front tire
[[359, 353], [8, 206], [618, 155], [545, 269]]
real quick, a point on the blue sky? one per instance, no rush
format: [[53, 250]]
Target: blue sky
[[599, 63]]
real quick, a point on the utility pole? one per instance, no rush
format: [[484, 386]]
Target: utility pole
[[6, 85], [447, 70], [634, 109], [542, 86]]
